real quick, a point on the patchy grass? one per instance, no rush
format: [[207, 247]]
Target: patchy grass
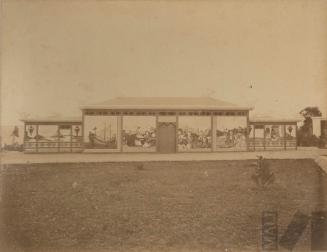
[[152, 206]]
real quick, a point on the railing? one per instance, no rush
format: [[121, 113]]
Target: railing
[[266, 144], [53, 146]]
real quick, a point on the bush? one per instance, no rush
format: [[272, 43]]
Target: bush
[[13, 147], [307, 140], [322, 142]]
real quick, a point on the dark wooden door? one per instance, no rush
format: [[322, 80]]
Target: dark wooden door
[[167, 137]]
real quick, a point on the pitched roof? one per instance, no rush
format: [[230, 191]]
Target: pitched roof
[[53, 119], [165, 103], [269, 119]]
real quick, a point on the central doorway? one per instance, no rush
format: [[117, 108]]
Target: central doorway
[[167, 137]]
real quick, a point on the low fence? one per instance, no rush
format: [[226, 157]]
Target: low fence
[[53, 146], [265, 144]]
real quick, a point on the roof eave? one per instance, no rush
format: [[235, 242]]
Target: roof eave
[[275, 121], [35, 120], [156, 107]]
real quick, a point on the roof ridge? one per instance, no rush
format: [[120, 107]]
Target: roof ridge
[[172, 102], [208, 97]]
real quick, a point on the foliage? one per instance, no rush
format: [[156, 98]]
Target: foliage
[[305, 139], [15, 132], [262, 176], [13, 147], [310, 112], [305, 135], [322, 142]]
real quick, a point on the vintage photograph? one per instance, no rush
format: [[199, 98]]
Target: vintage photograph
[[163, 126]]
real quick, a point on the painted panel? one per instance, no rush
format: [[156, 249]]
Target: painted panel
[[102, 133], [194, 133], [65, 138], [290, 136], [47, 138], [251, 137], [30, 138], [139, 134], [231, 133], [274, 137], [77, 138]]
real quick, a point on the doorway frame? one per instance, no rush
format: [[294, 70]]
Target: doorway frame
[[175, 123]]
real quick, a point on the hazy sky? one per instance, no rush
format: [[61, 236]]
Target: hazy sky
[[59, 55]]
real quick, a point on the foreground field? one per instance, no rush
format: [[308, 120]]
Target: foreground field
[[152, 206]]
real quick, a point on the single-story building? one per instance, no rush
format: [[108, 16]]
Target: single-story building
[[52, 134], [268, 133], [160, 124]]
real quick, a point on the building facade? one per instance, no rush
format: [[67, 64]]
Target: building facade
[[48, 135], [160, 125], [272, 134]]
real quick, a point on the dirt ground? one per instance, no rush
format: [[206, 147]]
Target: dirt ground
[[152, 206]]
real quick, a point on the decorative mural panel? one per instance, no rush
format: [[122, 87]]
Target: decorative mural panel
[[259, 136], [30, 138], [101, 132], [47, 138], [76, 138], [251, 137], [194, 133], [290, 136], [231, 133], [65, 138], [139, 134], [274, 136], [30, 132]]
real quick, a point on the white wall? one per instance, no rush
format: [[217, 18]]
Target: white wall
[[316, 126]]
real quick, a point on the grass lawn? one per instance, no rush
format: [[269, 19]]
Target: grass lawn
[[152, 206]]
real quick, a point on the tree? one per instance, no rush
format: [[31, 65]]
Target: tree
[[305, 132], [14, 134], [310, 112]]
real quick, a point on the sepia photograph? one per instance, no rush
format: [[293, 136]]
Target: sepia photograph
[[163, 126]]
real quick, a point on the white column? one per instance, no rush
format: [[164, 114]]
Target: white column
[[213, 132], [316, 126]]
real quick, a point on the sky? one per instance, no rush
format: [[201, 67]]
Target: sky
[[60, 55]]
